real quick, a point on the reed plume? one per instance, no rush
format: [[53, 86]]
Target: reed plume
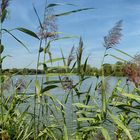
[[132, 70], [20, 85], [113, 36], [71, 56], [3, 6], [67, 83], [49, 27], [79, 54]]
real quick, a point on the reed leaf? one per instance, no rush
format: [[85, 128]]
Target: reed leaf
[[131, 96], [52, 82], [64, 61], [28, 32], [118, 58], [85, 64], [3, 16], [48, 88], [37, 17], [38, 90], [65, 37], [105, 134], [47, 48], [28, 132], [73, 11], [60, 74], [65, 137], [53, 98], [17, 39], [5, 57], [86, 119], [121, 125], [123, 53], [73, 66], [80, 105], [48, 133], [59, 4], [1, 49], [54, 60]]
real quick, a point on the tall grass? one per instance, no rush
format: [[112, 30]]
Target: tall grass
[[94, 114]]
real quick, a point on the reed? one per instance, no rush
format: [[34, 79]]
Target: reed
[[41, 115]]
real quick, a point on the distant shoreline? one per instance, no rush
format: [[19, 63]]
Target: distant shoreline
[[109, 70], [62, 72]]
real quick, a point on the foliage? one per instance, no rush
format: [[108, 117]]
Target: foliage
[[116, 69], [95, 114]]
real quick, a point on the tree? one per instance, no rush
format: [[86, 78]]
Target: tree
[[107, 69], [118, 68]]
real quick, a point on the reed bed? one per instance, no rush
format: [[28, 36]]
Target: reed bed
[[40, 115]]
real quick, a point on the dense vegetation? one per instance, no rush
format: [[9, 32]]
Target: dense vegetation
[[109, 69], [40, 115]]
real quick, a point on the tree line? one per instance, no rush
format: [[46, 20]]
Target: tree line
[[109, 69]]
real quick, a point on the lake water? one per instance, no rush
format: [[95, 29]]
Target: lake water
[[111, 82], [60, 93]]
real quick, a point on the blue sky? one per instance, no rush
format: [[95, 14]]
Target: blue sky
[[92, 25]]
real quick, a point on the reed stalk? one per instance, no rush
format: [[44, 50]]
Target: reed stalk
[[103, 93], [1, 82]]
